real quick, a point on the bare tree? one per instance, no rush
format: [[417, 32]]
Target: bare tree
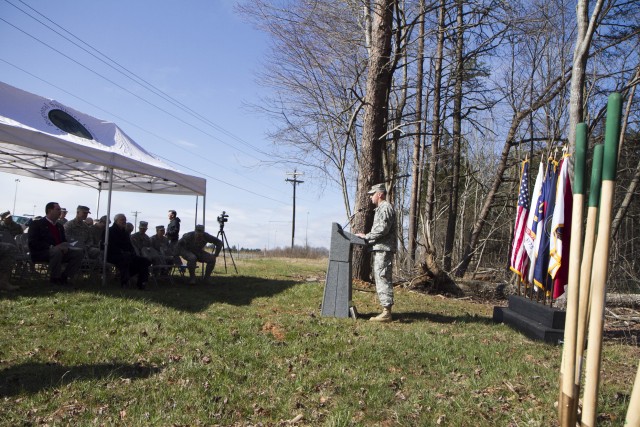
[[379, 76]]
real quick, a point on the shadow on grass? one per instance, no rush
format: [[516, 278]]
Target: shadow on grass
[[34, 377], [422, 316], [234, 290]]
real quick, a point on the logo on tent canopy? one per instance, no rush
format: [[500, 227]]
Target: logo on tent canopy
[[67, 123]]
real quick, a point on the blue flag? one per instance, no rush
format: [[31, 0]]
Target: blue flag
[[545, 207]]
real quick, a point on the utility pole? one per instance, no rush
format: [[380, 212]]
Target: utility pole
[[294, 181], [135, 220]]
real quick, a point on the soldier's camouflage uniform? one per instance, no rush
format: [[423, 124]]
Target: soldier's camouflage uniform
[[142, 244], [191, 246], [385, 243], [161, 245], [80, 232], [12, 227]]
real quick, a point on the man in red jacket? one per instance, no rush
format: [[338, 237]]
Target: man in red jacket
[[48, 243]]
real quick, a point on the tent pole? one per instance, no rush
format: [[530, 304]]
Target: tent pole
[[204, 204], [106, 230], [196, 220], [97, 215]]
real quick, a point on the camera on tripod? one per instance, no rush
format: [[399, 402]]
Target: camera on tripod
[[222, 218]]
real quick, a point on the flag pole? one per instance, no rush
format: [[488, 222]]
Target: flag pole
[[568, 391], [600, 266]]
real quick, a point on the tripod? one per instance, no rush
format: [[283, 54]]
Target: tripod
[[225, 244]]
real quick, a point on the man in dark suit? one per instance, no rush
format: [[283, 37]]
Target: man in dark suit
[[48, 243], [122, 254]]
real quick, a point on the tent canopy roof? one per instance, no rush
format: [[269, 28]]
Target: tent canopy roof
[[42, 138]]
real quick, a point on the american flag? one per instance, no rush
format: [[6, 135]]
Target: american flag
[[519, 258]]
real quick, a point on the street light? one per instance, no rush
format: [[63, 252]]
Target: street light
[[15, 195]]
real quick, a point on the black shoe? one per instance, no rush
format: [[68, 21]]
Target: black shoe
[[142, 286]]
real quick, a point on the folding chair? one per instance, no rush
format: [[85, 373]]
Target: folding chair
[[24, 265], [158, 272]]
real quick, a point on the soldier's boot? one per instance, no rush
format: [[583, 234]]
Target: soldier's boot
[[385, 316], [5, 284]]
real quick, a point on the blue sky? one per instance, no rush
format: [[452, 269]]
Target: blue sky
[[202, 54]]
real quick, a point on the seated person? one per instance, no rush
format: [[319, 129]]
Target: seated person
[[7, 223], [77, 230], [191, 246], [98, 230], [8, 253], [142, 244], [160, 243], [122, 254], [48, 243]]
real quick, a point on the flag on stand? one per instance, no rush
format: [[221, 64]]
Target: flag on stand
[[561, 231], [519, 258], [532, 224], [543, 238]]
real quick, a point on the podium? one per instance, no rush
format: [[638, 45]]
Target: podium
[[337, 289]]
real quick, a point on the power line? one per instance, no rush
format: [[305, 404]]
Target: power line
[[130, 74], [140, 81], [128, 91], [159, 137]]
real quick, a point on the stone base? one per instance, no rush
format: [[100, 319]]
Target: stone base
[[537, 321]]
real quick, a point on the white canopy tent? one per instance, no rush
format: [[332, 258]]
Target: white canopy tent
[[42, 138]]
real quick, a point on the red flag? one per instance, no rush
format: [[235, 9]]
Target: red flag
[[519, 257], [561, 232]]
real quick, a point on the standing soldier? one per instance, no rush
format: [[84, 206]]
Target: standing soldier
[[10, 225], [173, 234], [191, 247], [173, 229], [384, 243]]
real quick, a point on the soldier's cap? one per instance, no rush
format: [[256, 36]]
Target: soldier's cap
[[200, 228], [63, 209], [104, 219], [144, 224], [3, 215], [376, 188], [83, 208], [159, 227]]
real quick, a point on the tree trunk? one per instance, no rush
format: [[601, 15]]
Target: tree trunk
[[435, 141], [376, 104], [457, 140], [414, 204], [586, 28]]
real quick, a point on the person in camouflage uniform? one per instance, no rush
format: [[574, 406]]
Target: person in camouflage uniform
[[161, 244], [142, 244], [7, 223], [63, 216], [79, 231], [98, 230], [191, 247], [8, 254], [384, 242]]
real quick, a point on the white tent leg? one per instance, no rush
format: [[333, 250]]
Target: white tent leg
[[106, 231]]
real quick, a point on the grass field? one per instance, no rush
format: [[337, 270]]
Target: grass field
[[252, 349]]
